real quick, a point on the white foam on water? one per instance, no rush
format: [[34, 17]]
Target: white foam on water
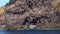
[[32, 26]]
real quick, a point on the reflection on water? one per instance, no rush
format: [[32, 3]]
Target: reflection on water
[[29, 31]]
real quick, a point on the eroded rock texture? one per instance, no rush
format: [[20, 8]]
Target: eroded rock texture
[[19, 14]]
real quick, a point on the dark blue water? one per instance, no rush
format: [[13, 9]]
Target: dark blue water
[[29, 31]]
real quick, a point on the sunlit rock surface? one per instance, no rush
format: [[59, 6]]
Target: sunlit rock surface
[[19, 14]]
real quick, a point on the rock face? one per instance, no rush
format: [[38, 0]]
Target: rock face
[[19, 14]]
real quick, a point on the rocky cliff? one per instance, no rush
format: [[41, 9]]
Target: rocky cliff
[[19, 14]]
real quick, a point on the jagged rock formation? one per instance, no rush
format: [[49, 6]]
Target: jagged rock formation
[[19, 14]]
